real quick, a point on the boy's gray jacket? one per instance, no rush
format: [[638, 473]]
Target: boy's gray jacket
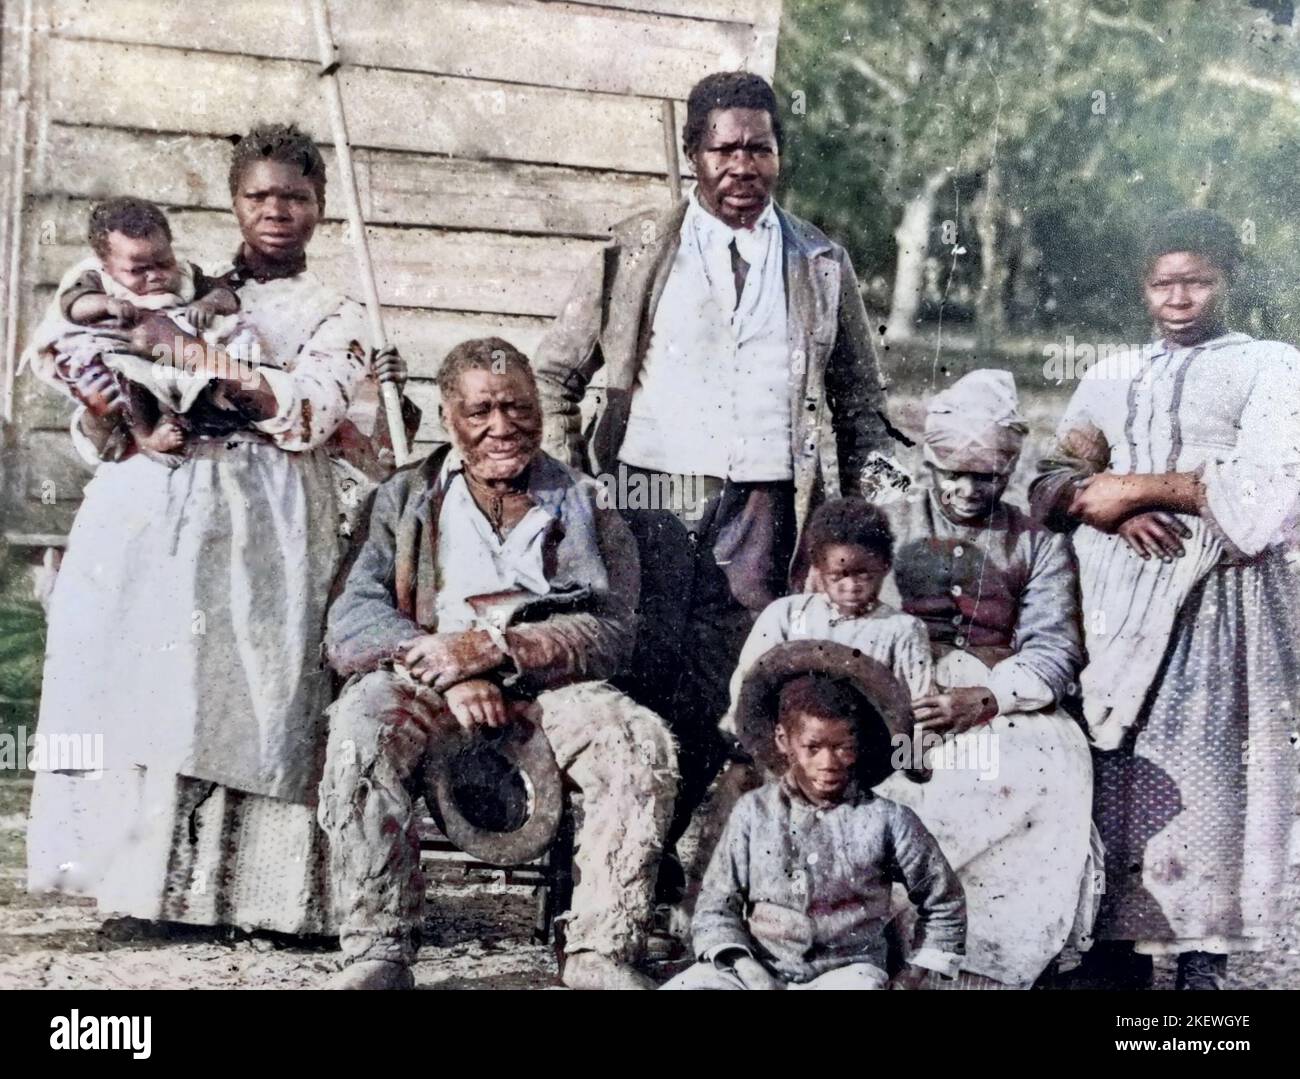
[[836, 397], [806, 889]]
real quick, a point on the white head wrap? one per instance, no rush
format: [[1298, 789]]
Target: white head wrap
[[975, 424]]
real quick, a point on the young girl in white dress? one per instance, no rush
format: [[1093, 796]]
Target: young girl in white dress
[[850, 548]]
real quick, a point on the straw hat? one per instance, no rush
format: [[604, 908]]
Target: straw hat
[[886, 706]]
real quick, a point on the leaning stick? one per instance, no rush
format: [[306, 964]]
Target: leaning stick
[[668, 118], [329, 65]]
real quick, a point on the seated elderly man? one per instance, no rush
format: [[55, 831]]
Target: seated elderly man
[[490, 513]]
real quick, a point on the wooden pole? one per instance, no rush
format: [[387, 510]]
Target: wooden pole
[[668, 113], [329, 65], [14, 233]]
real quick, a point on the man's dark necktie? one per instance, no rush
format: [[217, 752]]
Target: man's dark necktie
[[739, 268]]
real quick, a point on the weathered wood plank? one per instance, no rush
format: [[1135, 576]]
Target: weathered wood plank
[[414, 267], [425, 337], [156, 89], [497, 195], [395, 188], [752, 12], [53, 472], [543, 44], [36, 405], [26, 520]]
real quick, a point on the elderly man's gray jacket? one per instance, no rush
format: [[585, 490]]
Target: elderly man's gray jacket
[[387, 592], [836, 397]]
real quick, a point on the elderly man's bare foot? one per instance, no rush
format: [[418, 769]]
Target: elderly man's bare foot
[[373, 974], [591, 970]]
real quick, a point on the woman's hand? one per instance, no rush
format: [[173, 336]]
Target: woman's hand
[[1155, 535], [952, 711], [97, 388], [1107, 499], [443, 659], [1104, 500], [389, 366], [202, 314], [157, 337]]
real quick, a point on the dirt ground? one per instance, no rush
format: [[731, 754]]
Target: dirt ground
[[477, 936]]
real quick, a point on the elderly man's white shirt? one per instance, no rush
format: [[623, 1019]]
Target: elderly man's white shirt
[[474, 561]]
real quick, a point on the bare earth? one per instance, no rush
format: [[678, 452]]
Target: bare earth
[[478, 936]]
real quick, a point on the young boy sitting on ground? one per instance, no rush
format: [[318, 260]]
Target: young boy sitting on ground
[[797, 894]]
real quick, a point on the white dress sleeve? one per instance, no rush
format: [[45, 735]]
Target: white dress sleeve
[[314, 390], [770, 629], [1251, 489]]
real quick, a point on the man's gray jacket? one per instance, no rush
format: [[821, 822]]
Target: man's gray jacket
[[387, 592], [836, 396]]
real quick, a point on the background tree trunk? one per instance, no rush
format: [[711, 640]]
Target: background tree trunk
[[990, 316], [913, 238]]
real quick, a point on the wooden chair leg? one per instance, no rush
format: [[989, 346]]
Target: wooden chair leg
[[545, 904], [559, 886]]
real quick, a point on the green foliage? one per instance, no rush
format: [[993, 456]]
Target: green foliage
[[1100, 116], [22, 651]]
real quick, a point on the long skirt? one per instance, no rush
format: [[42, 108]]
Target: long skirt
[[1196, 808], [1009, 803], [162, 847], [184, 653]]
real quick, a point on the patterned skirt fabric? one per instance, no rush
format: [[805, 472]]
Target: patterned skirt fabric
[[1196, 808], [163, 847]]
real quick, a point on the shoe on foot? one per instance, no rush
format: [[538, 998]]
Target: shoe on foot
[[1201, 970], [373, 974], [1110, 964], [591, 970]]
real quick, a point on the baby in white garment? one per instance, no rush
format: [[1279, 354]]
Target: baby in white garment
[[134, 271]]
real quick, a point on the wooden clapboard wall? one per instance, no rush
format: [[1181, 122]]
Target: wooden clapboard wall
[[496, 141]]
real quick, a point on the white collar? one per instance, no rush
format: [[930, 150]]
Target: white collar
[[714, 231]]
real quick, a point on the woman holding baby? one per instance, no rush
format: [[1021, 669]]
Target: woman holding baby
[[185, 624]]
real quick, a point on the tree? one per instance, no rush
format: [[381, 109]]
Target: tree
[[1072, 125]]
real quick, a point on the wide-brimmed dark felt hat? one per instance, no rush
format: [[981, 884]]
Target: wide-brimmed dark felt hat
[[886, 705], [497, 795]]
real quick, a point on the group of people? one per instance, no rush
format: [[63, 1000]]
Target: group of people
[[757, 690]]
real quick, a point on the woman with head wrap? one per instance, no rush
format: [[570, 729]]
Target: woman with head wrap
[[1011, 793], [1179, 478]]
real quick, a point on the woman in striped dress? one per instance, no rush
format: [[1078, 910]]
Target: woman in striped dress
[[1179, 476]]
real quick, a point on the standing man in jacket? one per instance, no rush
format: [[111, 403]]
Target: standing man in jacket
[[741, 384]]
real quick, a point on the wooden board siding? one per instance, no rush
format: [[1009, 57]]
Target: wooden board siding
[[496, 142]]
